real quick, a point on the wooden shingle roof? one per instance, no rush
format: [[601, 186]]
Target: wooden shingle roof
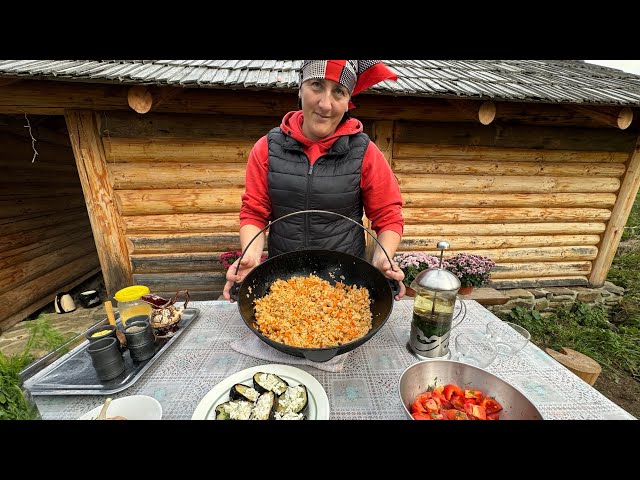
[[546, 81]]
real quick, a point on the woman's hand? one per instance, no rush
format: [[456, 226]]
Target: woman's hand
[[382, 264], [246, 265]]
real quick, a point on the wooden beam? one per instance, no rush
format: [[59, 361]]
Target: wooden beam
[[99, 197], [473, 110], [617, 221], [383, 138], [615, 117], [140, 99], [8, 81]]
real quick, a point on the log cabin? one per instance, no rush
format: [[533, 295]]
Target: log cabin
[[135, 168]]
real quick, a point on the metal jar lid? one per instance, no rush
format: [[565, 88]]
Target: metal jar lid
[[436, 279]]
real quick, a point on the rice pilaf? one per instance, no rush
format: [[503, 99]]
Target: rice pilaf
[[309, 312]]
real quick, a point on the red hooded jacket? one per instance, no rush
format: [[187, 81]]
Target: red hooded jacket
[[379, 186]]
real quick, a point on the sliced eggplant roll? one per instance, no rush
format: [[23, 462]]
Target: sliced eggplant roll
[[242, 392], [234, 410], [265, 407], [294, 400], [269, 382]]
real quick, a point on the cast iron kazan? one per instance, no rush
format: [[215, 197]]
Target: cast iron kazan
[[329, 265]]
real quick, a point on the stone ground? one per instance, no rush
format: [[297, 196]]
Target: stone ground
[[13, 340]]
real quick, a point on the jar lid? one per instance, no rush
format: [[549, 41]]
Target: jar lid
[[437, 279], [129, 294]]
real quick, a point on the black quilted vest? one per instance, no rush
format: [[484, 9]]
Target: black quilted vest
[[332, 183]]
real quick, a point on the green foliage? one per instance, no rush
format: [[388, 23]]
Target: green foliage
[[44, 335], [13, 404], [625, 271], [632, 229], [585, 329]]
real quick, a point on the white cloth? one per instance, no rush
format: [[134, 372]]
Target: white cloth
[[250, 344]]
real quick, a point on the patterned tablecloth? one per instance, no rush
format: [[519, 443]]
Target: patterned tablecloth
[[367, 386]]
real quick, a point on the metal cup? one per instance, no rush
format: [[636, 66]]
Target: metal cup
[[106, 358], [140, 340]]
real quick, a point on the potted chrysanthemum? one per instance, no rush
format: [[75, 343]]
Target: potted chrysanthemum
[[413, 263], [472, 270]]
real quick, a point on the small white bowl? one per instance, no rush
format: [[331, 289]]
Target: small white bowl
[[133, 407]]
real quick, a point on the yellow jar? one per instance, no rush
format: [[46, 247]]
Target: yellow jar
[[130, 303]]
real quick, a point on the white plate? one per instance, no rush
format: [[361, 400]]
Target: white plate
[[318, 401], [133, 407]]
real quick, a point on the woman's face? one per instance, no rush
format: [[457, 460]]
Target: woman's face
[[324, 103]]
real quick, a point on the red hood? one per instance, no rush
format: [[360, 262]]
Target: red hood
[[292, 124]]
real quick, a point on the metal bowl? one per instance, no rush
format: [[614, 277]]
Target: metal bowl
[[423, 375]]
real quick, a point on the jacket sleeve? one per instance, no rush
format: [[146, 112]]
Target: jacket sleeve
[[380, 192], [256, 205]]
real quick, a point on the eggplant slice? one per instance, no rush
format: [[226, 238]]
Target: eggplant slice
[[242, 392], [269, 382], [265, 407], [234, 410], [293, 400]]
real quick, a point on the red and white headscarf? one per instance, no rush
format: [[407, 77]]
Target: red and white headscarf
[[354, 75]]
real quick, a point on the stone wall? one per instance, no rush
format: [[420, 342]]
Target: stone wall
[[547, 300]]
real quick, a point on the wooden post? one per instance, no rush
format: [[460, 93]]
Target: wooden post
[[383, 138], [617, 221], [99, 197]]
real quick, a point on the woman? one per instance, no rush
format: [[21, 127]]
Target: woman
[[320, 159]]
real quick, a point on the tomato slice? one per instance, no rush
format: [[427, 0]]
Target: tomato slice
[[421, 416], [475, 394], [458, 402], [452, 389], [475, 412], [454, 414], [417, 407], [493, 416], [491, 405]]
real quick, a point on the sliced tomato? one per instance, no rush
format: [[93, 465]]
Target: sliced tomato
[[437, 416], [457, 402], [454, 414], [417, 407], [438, 390], [493, 416], [475, 412], [491, 405], [475, 394], [452, 389], [421, 416], [423, 397], [431, 405]]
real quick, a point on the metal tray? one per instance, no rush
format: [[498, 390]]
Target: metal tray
[[73, 373]]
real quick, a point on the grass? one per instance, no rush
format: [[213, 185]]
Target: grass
[[13, 404]]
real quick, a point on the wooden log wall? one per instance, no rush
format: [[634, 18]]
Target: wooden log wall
[[177, 181], [46, 242], [536, 199]]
